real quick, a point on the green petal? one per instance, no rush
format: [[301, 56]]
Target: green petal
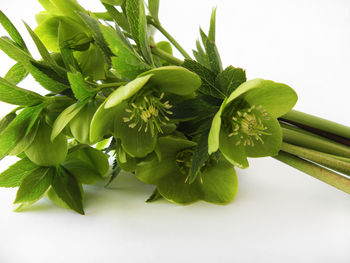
[[272, 143], [173, 79], [102, 122], [136, 143], [220, 183], [275, 98], [125, 92], [234, 153], [173, 188], [243, 88], [214, 133], [151, 170]]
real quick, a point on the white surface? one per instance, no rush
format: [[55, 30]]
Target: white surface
[[279, 215]]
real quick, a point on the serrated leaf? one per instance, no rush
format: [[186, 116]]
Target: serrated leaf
[[91, 63], [45, 53], [34, 185], [207, 76], [67, 188], [93, 25], [65, 117], [13, 176], [13, 32], [229, 80], [126, 61], [212, 53], [12, 94], [17, 73], [193, 108], [13, 51], [118, 17], [200, 55], [200, 156], [135, 12], [16, 130], [80, 88]]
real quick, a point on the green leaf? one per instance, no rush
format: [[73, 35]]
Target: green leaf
[[63, 7], [91, 62], [12, 94], [51, 194], [211, 35], [34, 185], [153, 7], [124, 160], [220, 183], [65, 117], [126, 62], [124, 92], [17, 73], [234, 153], [120, 18], [6, 120], [97, 160], [135, 12], [13, 176], [80, 88], [47, 32], [207, 76], [93, 25], [200, 55], [200, 156], [113, 2], [67, 188], [13, 32], [173, 79], [154, 196], [212, 53], [83, 172], [230, 79], [45, 53], [13, 51], [28, 138], [193, 108], [16, 130]]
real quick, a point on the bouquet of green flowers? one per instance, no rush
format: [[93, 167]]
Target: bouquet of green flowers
[[114, 93]]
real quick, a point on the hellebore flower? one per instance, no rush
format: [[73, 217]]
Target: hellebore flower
[[139, 109], [169, 170], [246, 124]]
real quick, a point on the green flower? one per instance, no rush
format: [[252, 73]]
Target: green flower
[[246, 124], [136, 112], [169, 170]]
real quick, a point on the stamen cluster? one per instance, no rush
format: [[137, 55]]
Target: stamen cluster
[[148, 112], [248, 125]]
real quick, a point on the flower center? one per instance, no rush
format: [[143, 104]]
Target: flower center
[[148, 112], [247, 124]]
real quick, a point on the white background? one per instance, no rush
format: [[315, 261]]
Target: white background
[[279, 215]]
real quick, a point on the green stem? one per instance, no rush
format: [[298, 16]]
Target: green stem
[[318, 157], [317, 123], [166, 56], [316, 171], [170, 38], [315, 142]]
